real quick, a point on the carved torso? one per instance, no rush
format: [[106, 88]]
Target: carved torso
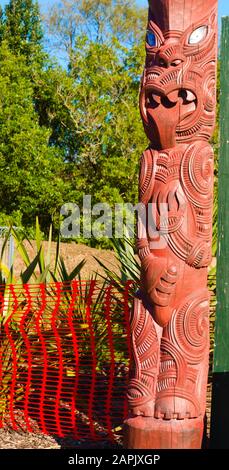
[[181, 179]]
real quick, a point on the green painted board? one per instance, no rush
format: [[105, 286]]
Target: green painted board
[[220, 387], [221, 356]]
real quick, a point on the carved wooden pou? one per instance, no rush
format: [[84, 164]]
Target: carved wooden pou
[[170, 319]]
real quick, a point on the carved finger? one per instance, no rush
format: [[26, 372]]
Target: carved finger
[[165, 288], [170, 275], [160, 298]]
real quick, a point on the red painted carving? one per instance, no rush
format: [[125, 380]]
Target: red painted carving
[[170, 318]]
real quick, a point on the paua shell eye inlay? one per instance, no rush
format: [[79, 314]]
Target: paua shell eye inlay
[[198, 35], [151, 39]]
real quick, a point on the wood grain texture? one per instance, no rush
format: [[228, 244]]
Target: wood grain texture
[[170, 318]]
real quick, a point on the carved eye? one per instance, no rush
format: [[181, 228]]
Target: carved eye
[[151, 39], [198, 35]]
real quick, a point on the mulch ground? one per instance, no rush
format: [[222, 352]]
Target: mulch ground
[[21, 439], [10, 439]]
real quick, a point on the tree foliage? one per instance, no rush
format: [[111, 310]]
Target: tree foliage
[[101, 21], [69, 126], [22, 28], [30, 169], [69, 130]]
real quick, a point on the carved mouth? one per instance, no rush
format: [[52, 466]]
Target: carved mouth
[[186, 100]]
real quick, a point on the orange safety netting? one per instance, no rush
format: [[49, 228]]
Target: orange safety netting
[[64, 358]]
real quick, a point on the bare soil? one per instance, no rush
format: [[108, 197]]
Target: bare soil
[[73, 254]]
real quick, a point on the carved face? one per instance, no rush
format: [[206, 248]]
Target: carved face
[[177, 99]]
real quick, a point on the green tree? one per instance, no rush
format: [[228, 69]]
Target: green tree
[[69, 132], [100, 20], [2, 25], [32, 173], [92, 108], [95, 120], [23, 27]]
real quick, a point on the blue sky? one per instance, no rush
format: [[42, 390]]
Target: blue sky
[[223, 5]]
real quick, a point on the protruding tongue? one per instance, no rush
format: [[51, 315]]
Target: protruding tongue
[[164, 120], [168, 112]]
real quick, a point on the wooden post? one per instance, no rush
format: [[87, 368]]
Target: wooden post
[[170, 317], [220, 408]]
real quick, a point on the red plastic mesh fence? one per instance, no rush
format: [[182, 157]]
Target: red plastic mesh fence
[[64, 360]]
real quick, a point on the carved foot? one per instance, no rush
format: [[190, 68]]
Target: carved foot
[[175, 407], [182, 379], [139, 401]]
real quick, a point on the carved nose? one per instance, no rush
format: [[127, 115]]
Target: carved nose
[[170, 55], [168, 62]]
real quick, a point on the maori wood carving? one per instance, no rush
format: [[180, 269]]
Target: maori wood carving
[[169, 321]]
